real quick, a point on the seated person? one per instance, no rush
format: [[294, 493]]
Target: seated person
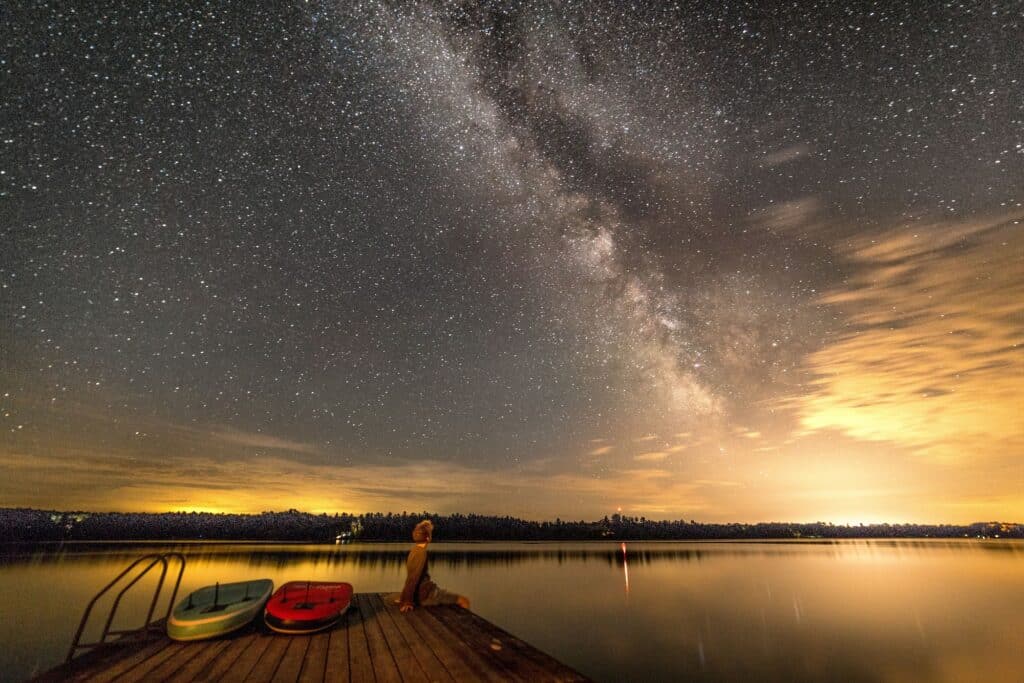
[[419, 589]]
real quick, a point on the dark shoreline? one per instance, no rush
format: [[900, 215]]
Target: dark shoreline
[[292, 526]]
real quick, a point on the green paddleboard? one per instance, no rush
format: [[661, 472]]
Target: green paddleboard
[[215, 610]]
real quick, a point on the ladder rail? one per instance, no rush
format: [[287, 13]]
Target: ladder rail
[[177, 584], [138, 577], [154, 559]]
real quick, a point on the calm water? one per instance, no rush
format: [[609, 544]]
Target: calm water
[[804, 611]]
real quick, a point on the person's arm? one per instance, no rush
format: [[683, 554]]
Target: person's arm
[[415, 564]]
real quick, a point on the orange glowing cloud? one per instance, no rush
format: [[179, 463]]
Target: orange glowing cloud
[[933, 360], [652, 456], [105, 481]]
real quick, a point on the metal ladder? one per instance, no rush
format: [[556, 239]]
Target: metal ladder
[[147, 626]]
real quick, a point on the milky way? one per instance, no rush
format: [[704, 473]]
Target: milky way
[[679, 258]]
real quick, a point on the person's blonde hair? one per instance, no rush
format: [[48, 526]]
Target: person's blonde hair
[[423, 531]]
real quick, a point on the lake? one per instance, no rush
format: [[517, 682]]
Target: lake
[[881, 610]]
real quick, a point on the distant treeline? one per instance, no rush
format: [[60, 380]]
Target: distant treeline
[[45, 525]]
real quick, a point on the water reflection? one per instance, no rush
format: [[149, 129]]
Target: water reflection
[[896, 610], [483, 554], [625, 568]]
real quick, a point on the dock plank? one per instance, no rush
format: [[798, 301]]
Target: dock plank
[[140, 671], [122, 666], [314, 665], [513, 652], [360, 665], [247, 659], [522, 661], [524, 649], [267, 663], [291, 663], [430, 664], [483, 645], [385, 668], [227, 658], [336, 666], [409, 666], [374, 642], [194, 669], [177, 661], [95, 662], [461, 661]]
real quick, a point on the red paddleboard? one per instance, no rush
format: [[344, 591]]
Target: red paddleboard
[[307, 606]]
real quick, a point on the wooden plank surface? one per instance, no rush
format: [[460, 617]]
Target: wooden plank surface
[[267, 663], [314, 664], [291, 663], [489, 650], [336, 665], [140, 671], [175, 662], [385, 668], [246, 661], [127, 659], [514, 653], [430, 664], [374, 642], [360, 665], [409, 667], [524, 649], [88, 663], [195, 669], [462, 661], [227, 657]]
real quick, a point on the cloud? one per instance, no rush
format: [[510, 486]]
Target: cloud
[[98, 481], [718, 482], [933, 359], [603, 450], [262, 441], [798, 217], [651, 456], [785, 155]]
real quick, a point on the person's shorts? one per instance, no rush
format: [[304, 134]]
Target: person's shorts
[[440, 596], [437, 596]]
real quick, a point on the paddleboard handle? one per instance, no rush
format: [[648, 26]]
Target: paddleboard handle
[[216, 595]]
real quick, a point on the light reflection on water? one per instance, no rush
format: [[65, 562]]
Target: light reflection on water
[[892, 610]]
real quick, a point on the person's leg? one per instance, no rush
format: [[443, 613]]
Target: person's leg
[[442, 597]]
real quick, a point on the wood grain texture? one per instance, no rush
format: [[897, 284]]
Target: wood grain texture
[[360, 665], [291, 664], [430, 663], [336, 664], [373, 643], [314, 664], [197, 666], [385, 668]]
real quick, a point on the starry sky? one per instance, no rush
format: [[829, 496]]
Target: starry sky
[[725, 261]]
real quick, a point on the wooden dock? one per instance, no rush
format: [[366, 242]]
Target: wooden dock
[[374, 643]]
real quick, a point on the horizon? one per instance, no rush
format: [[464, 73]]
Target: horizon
[[540, 260], [434, 513]]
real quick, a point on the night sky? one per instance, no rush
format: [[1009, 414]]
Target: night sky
[[698, 260]]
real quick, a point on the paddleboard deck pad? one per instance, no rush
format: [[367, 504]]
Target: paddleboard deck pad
[[307, 606], [215, 610]]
